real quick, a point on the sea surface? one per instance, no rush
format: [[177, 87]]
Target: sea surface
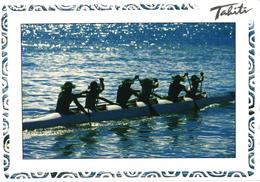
[[55, 53]]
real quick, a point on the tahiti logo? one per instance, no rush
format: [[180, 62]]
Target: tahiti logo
[[230, 9]]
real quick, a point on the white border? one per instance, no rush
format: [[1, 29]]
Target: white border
[[240, 163]]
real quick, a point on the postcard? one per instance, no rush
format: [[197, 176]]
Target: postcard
[[130, 91]]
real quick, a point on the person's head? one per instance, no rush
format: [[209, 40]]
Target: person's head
[[93, 85], [177, 78], [195, 78], [127, 83], [155, 80], [147, 82], [68, 86]]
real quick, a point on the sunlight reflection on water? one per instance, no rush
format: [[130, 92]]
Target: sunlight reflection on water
[[81, 53]]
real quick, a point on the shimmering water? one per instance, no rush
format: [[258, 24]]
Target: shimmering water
[[81, 53]]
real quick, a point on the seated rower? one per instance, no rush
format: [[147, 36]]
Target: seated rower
[[194, 93], [176, 87], [148, 85], [66, 97], [92, 94], [125, 91]]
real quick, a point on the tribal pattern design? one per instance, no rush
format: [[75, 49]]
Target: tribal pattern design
[[251, 84], [102, 7]]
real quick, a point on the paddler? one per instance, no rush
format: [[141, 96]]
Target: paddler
[[92, 94], [194, 92], [148, 85], [66, 97], [176, 87], [125, 91]]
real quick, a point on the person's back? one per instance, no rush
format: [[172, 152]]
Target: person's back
[[147, 88], [124, 92], [63, 103], [145, 94], [91, 99], [176, 88], [93, 94], [65, 98], [123, 95], [194, 92]]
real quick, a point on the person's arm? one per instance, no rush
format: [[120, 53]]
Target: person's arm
[[135, 78], [183, 86], [102, 85], [81, 94], [140, 81], [158, 96], [170, 91], [155, 83], [135, 92], [79, 105], [201, 76], [185, 89], [108, 101]]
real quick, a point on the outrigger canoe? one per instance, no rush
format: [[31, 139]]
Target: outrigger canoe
[[115, 112]]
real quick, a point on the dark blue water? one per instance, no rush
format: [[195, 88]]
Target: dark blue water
[[81, 53]]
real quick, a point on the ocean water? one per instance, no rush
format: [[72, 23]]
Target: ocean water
[[55, 53]]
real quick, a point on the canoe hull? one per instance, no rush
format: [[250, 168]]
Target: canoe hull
[[114, 112]]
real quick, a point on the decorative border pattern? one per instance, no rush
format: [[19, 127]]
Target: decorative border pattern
[[251, 93], [120, 174], [5, 109], [101, 7]]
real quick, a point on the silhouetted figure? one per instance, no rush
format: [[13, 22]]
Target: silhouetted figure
[[66, 97], [92, 94], [148, 85], [125, 91], [194, 92], [176, 88]]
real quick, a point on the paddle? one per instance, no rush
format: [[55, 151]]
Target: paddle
[[108, 101], [202, 76], [89, 116], [159, 96], [162, 97], [195, 104], [152, 111]]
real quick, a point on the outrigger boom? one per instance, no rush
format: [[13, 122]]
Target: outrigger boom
[[115, 112]]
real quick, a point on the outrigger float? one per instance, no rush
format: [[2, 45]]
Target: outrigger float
[[115, 112]]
